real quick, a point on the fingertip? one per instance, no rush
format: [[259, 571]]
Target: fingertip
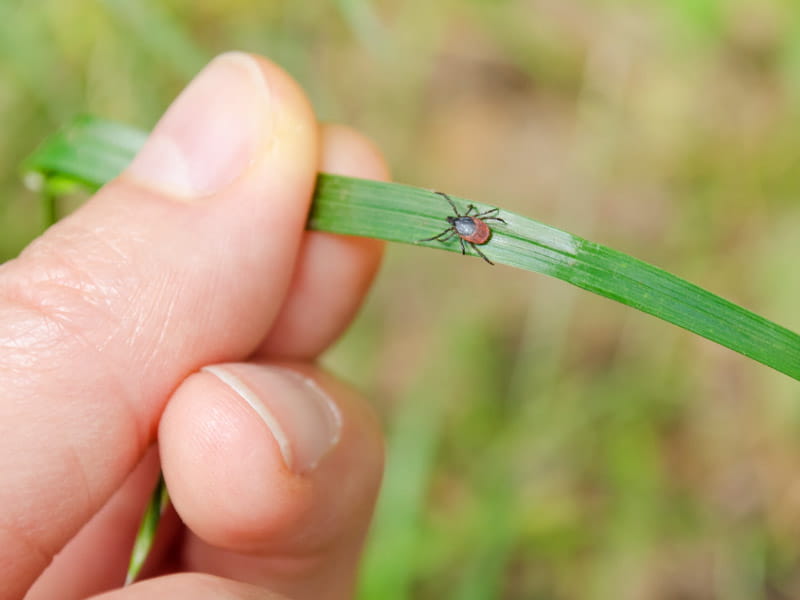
[[225, 472], [241, 114], [296, 137], [338, 268], [346, 151], [270, 459], [189, 586]]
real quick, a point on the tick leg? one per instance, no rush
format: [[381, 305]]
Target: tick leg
[[439, 236], [446, 197], [482, 255], [463, 246], [488, 213], [470, 208], [491, 215]]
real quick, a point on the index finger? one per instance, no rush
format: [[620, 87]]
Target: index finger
[[181, 262]]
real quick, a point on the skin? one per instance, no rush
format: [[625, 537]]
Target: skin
[[105, 323]]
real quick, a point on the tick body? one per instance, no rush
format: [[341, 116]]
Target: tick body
[[470, 228]]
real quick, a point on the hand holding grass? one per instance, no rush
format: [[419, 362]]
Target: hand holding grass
[[185, 303]]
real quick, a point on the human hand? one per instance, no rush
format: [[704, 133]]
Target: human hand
[[185, 302]]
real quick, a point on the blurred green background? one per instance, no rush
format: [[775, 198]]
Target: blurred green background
[[543, 442]]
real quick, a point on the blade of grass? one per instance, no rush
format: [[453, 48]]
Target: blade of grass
[[49, 208], [493, 545], [93, 151], [147, 530], [391, 559], [364, 23]]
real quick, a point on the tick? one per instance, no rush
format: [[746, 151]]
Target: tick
[[470, 228]]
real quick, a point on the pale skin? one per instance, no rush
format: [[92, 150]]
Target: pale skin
[[195, 257]]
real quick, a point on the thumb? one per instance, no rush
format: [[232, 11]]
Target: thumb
[[223, 126], [181, 262]]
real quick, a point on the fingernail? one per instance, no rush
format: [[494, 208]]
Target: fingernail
[[210, 134], [301, 417]]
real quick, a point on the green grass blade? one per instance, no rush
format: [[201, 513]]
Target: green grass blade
[[365, 24], [404, 214], [49, 205], [492, 547], [92, 151], [391, 558], [147, 530]]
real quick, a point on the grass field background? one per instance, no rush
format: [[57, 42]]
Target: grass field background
[[543, 442]]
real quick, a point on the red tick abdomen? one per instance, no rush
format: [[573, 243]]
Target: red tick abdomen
[[481, 233]]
